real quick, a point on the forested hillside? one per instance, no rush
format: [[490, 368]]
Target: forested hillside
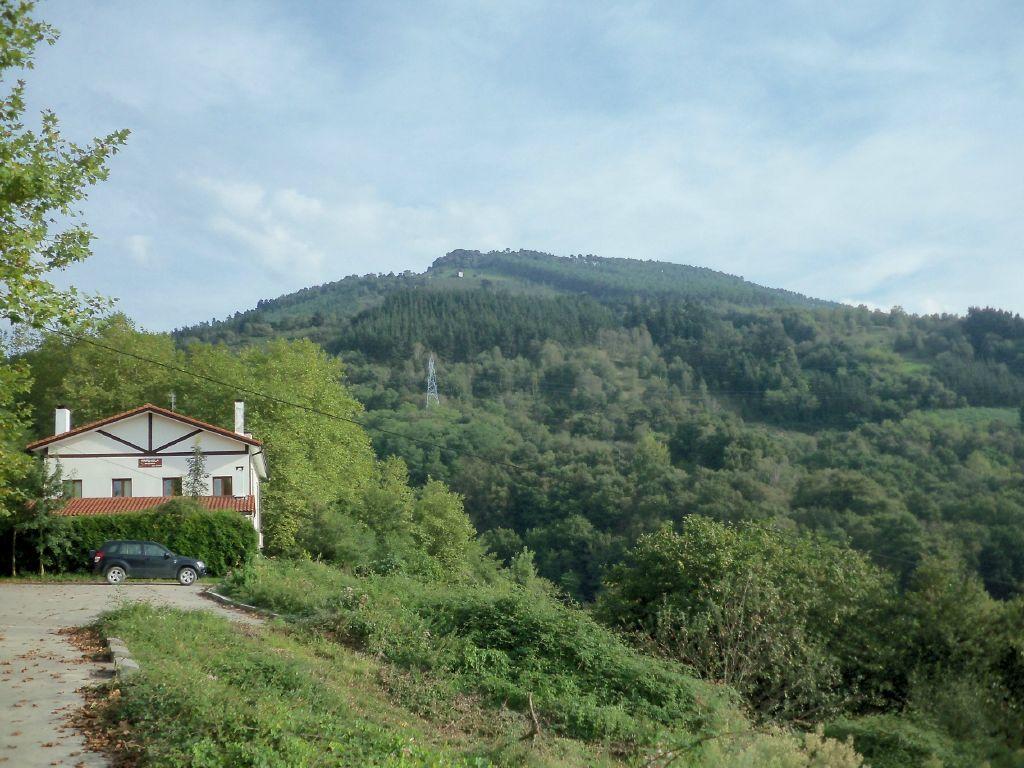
[[818, 507], [586, 401]]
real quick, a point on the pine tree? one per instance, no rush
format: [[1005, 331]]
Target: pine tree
[[194, 484]]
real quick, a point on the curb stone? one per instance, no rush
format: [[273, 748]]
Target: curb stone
[[224, 600], [124, 664]]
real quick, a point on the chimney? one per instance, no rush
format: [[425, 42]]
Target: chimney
[[239, 417], [61, 420]]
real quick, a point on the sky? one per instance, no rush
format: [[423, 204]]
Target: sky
[[863, 152]]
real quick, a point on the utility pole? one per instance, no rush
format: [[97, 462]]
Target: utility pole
[[174, 400], [432, 397]]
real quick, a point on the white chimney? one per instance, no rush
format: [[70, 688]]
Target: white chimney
[[61, 420], [239, 417]]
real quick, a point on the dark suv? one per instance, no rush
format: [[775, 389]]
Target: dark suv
[[117, 560]]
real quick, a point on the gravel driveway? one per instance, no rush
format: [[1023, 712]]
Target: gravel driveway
[[40, 671]]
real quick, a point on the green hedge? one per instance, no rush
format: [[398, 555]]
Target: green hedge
[[221, 539]]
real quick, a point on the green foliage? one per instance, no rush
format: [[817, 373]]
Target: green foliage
[[221, 539], [808, 630], [504, 646], [962, 650], [461, 324], [618, 278], [892, 741], [43, 178], [212, 695], [390, 527], [784, 619], [264, 697], [499, 641], [441, 527], [37, 522], [15, 465]]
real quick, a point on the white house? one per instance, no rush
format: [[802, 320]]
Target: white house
[[135, 460]]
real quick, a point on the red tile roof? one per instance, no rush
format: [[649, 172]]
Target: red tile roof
[[135, 412], [114, 506]]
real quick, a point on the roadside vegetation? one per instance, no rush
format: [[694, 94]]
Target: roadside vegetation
[[49, 545], [395, 671], [679, 520]]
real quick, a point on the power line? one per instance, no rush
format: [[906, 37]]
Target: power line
[[339, 417], [281, 401]]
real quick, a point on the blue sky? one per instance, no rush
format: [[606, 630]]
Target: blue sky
[[858, 151]]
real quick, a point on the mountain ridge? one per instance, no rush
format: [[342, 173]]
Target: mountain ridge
[[521, 271]]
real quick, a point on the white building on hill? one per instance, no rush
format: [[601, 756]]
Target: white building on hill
[[137, 459]]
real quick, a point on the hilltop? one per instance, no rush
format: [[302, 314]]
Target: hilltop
[[318, 310]]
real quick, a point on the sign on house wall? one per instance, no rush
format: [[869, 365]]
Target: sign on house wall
[[151, 462]]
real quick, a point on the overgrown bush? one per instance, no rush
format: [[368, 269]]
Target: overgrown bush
[[897, 741], [221, 539], [790, 621], [501, 641]]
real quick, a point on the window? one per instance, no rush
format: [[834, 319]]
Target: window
[[172, 486], [113, 549], [72, 489], [153, 550], [222, 486], [131, 548], [122, 487]]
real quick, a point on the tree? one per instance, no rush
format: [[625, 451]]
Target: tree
[[43, 178], [43, 496], [442, 527], [795, 624], [14, 463], [316, 455], [194, 484]]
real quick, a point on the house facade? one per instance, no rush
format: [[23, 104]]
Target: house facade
[[138, 459]]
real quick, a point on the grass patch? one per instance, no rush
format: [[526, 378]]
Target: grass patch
[[54, 578], [970, 416], [215, 693], [501, 642], [508, 648]]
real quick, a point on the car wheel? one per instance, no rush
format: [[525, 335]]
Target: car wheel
[[116, 574], [187, 576]]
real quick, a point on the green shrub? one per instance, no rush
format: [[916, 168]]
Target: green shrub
[[899, 741], [221, 539], [500, 641], [790, 621]]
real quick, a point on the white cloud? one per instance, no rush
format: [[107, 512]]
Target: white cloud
[[264, 226], [140, 250]]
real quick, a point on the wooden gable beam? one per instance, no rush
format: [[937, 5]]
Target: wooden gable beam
[[138, 448], [177, 440]]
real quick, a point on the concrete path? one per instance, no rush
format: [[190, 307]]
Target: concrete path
[[40, 671]]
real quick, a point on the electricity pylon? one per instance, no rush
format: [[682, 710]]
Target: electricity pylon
[[432, 397]]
